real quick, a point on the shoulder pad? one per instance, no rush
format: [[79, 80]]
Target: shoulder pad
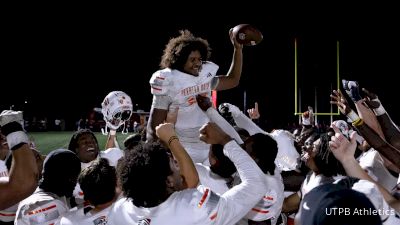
[[160, 82], [209, 69]]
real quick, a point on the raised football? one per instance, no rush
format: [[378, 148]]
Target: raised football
[[247, 34]]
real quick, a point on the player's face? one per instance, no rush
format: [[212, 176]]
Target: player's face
[[88, 149], [309, 151], [193, 63]]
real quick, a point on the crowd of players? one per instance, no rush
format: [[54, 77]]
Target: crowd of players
[[194, 165]]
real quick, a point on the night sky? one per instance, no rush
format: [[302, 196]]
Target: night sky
[[87, 55]]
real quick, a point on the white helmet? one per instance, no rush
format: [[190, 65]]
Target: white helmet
[[116, 109]]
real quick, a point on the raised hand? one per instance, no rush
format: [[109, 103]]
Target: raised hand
[[338, 99], [254, 114], [165, 131], [352, 89], [371, 99], [342, 148], [203, 102], [211, 133]]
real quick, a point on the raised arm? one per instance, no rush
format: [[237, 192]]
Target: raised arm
[[373, 138], [188, 171], [232, 78], [389, 128], [365, 113], [24, 171], [343, 149], [236, 202], [206, 105]]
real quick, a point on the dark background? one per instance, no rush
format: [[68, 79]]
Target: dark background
[[62, 64]]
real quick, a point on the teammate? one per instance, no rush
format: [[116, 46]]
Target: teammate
[[98, 182], [185, 73], [160, 198], [50, 201], [24, 171]]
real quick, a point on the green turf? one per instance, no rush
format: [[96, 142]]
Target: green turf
[[48, 141]]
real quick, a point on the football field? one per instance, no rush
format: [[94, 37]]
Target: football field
[[48, 141]]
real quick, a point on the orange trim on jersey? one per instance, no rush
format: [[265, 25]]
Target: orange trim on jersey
[[158, 89], [42, 210], [260, 210], [6, 214], [203, 199], [80, 193], [161, 78], [213, 216], [268, 198]]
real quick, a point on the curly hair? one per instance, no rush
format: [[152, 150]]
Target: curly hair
[[98, 182], [326, 162], [143, 174], [179, 48]]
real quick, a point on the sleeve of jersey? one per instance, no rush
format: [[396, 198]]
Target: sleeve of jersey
[[246, 123], [239, 200], [263, 210], [215, 117], [210, 69], [160, 83]]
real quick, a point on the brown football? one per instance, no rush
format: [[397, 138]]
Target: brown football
[[247, 34]]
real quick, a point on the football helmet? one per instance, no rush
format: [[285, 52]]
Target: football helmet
[[116, 108]]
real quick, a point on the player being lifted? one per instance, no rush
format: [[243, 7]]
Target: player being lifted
[[185, 73]]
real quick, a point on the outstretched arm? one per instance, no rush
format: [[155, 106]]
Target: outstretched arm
[[389, 128], [232, 78], [187, 169], [373, 138], [24, 171], [343, 149]]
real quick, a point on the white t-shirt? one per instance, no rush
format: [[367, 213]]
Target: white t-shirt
[[175, 88], [201, 205], [41, 208], [78, 217], [372, 162]]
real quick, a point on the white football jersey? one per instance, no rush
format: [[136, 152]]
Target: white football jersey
[[182, 88], [287, 157], [41, 208], [3, 169], [201, 206], [78, 217], [7, 215], [209, 179], [270, 206], [113, 155], [372, 162]]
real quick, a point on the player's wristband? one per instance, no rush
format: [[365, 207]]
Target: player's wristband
[[113, 132], [16, 139], [379, 111], [353, 116], [358, 122], [174, 137]]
